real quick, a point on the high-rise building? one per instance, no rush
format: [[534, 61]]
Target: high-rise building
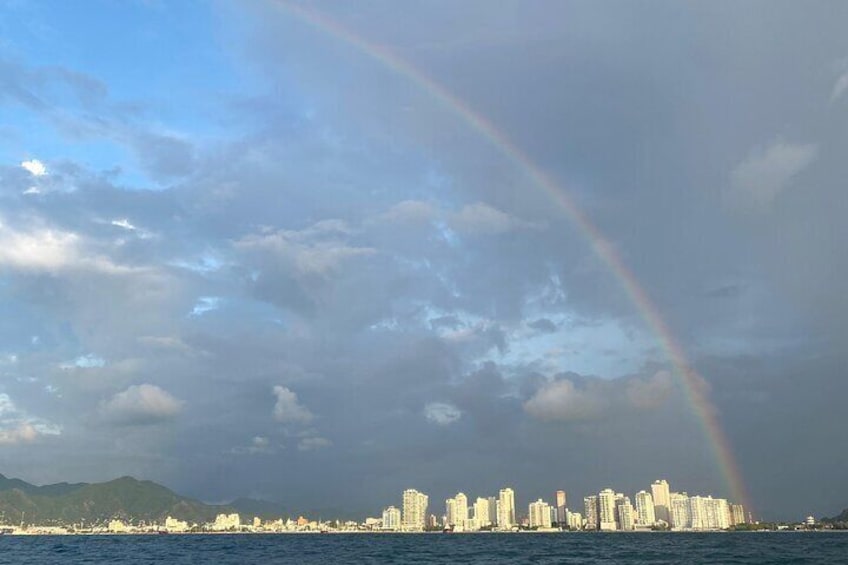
[[461, 509], [391, 518], [456, 511], [450, 512], [481, 513], [590, 508], [493, 511], [680, 511], [624, 513], [737, 512], [645, 509], [606, 510], [560, 507], [575, 520], [414, 510], [662, 500], [540, 514], [506, 510]]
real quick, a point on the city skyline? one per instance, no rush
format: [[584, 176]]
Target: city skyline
[[321, 252], [607, 510]]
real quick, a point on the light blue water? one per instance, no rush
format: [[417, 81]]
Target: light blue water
[[742, 548]]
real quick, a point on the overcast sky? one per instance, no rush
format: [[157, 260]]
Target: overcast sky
[[243, 254]]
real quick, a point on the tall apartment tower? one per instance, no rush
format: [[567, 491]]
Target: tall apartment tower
[[662, 500], [506, 509], [560, 507], [481, 513], [606, 509], [450, 512], [493, 511], [414, 510], [590, 507], [624, 513], [645, 515], [391, 518], [540, 514], [461, 508]]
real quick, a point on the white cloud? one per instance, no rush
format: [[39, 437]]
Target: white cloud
[[45, 249], [205, 304], [89, 361], [35, 167], [562, 400], [760, 178], [287, 408], [411, 211], [16, 426], [259, 445], [123, 223], [482, 219], [313, 251], [141, 404], [442, 413]]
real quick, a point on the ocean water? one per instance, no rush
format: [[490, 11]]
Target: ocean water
[[743, 548]]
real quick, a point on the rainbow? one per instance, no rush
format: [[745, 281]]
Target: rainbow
[[694, 386]]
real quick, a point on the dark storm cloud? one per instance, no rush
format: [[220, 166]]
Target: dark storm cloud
[[350, 292]]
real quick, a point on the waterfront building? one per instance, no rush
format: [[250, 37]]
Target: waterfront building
[[737, 512], [624, 513], [117, 527], [680, 511], [493, 511], [574, 520], [414, 510], [662, 500], [606, 510], [226, 522], [481, 513], [590, 507], [645, 515], [176, 526], [540, 514], [450, 512], [560, 507], [506, 510], [391, 518]]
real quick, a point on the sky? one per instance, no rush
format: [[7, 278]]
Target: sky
[[279, 250]]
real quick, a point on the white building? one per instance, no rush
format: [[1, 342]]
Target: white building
[[575, 520], [174, 525], [117, 527], [680, 510], [482, 515], [624, 513], [391, 519], [737, 514], [606, 510], [540, 514], [506, 509], [645, 515], [414, 510], [226, 522], [662, 500]]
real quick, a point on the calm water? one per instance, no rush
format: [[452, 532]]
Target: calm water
[[432, 548]]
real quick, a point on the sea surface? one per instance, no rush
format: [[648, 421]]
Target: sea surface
[[777, 547]]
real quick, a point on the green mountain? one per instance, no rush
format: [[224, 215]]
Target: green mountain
[[841, 518], [125, 498]]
